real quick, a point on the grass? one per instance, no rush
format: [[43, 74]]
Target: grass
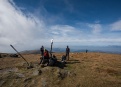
[[82, 70]]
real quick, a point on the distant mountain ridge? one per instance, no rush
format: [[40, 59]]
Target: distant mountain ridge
[[105, 49]]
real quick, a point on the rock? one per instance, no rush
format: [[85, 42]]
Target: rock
[[34, 65], [45, 69], [37, 72], [28, 79], [8, 70], [25, 64], [57, 73], [71, 74], [1, 83], [44, 82], [61, 74], [64, 73], [20, 75]]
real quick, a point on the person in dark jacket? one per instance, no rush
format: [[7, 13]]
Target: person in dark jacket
[[86, 50], [42, 51], [0, 56], [42, 54], [67, 52]]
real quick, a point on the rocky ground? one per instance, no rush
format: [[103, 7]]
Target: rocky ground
[[82, 70]]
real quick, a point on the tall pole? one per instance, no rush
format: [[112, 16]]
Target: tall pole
[[51, 47]]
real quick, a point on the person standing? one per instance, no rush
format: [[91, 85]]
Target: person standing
[[86, 50], [0, 56], [42, 51], [42, 54], [67, 52]]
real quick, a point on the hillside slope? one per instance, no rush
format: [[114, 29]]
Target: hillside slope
[[82, 70]]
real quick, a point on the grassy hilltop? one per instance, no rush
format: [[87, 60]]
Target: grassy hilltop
[[82, 70]]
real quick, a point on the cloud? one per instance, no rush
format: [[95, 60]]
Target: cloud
[[116, 26], [26, 31], [96, 28], [65, 33], [18, 29]]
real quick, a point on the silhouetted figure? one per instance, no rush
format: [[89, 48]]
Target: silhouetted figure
[[42, 54], [67, 52], [42, 51], [86, 50], [0, 56]]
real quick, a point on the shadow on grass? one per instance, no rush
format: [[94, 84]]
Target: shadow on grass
[[73, 61], [60, 64]]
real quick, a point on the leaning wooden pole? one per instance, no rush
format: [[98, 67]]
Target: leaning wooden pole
[[20, 54]]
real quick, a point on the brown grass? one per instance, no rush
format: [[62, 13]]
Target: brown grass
[[82, 70]]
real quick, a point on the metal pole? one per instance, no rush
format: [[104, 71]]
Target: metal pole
[[51, 47], [20, 54]]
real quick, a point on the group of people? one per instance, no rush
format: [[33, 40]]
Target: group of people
[[45, 58]]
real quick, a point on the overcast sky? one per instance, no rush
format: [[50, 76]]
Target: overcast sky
[[29, 24]]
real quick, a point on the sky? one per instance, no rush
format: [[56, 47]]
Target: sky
[[29, 24]]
